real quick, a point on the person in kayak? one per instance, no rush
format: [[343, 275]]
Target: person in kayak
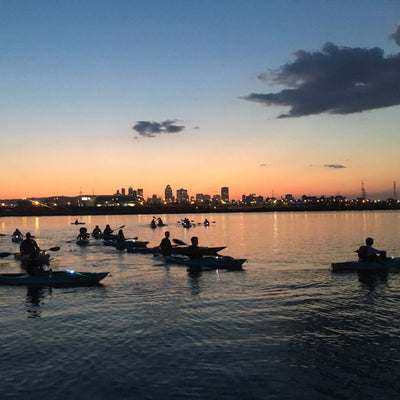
[[195, 252], [166, 245], [120, 236], [82, 234], [17, 232], [29, 246], [96, 231], [108, 230], [368, 253]]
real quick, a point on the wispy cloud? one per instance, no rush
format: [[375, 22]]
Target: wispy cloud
[[334, 166], [335, 80], [153, 129]]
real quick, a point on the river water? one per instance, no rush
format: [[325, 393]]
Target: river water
[[283, 328]]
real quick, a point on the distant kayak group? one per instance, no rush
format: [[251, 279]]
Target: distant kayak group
[[36, 261]]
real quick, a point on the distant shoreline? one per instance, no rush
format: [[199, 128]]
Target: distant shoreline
[[149, 210]]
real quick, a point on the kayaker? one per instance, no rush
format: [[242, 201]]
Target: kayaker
[[166, 245], [160, 222], [108, 230], [120, 236], [96, 230], [17, 232], [29, 246], [195, 251], [368, 253], [82, 234]]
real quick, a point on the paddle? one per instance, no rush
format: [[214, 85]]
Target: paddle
[[6, 254], [177, 241]]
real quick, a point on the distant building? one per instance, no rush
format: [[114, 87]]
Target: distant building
[[169, 197], [182, 196], [130, 191], [140, 193], [225, 194], [123, 191]]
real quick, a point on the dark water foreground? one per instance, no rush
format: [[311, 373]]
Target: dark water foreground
[[157, 333]]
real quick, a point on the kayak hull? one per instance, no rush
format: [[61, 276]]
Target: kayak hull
[[42, 258], [208, 263], [82, 242], [390, 264], [17, 238], [54, 279], [125, 245], [207, 251]]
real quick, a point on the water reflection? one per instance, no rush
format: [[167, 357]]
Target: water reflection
[[34, 297], [194, 277], [371, 279]]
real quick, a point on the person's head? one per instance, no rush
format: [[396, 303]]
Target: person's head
[[82, 230], [120, 232], [369, 241], [166, 234], [194, 240], [28, 235]]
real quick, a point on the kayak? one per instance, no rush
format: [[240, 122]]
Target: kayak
[[41, 258], [392, 263], [207, 251], [78, 223], [97, 235], [55, 279], [208, 263], [82, 241], [17, 238], [125, 245]]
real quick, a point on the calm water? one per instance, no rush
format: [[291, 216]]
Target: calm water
[[284, 328]]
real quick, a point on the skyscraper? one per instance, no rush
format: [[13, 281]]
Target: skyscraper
[[182, 196], [225, 194], [169, 197]]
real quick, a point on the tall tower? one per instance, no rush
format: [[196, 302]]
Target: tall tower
[[394, 191], [225, 194], [363, 191], [169, 197]]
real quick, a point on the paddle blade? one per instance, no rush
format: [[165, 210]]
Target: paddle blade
[[56, 248], [5, 254], [177, 241]]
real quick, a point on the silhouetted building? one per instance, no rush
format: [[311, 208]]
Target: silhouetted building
[[225, 194], [182, 196], [169, 197]]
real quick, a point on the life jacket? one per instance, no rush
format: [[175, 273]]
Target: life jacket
[[362, 252]]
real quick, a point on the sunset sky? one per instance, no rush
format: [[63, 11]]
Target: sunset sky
[[265, 97]]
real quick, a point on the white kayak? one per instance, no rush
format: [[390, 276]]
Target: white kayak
[[208, 263], [390, 264]]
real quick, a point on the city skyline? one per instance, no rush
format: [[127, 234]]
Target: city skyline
[[183, 194], [266, 97]]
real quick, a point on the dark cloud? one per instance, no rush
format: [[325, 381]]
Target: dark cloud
[[334, 166], [153, 129], [396, 35], [335, 80]]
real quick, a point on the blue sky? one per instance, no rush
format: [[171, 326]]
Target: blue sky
[[78, 75]]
